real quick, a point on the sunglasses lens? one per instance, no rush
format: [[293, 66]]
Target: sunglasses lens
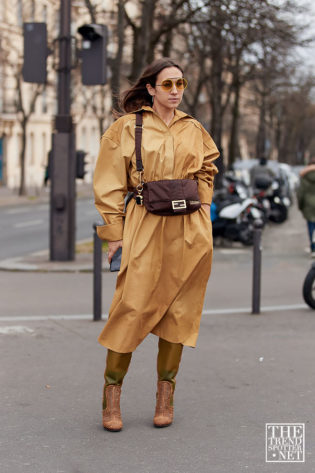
[[181, 83], [167, 84]]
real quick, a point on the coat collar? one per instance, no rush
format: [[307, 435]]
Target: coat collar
[[178, 113]]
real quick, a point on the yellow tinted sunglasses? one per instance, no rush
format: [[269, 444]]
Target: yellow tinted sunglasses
[[168, 84]]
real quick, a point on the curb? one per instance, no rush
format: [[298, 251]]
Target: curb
[[39, 262]]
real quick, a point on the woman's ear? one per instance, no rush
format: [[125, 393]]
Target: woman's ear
[[150, 89]]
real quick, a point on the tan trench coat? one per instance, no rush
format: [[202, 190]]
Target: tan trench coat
[[166, 261]]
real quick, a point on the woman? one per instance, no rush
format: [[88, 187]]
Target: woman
[[306, 200], [166, 261]]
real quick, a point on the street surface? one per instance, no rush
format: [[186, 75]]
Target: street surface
[[247, 370], [25, 229], [284, 266]]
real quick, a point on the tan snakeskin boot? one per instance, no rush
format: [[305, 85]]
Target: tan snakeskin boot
[[164, 411], [111, 414]]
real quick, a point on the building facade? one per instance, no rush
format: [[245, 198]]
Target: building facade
[[16, 96]]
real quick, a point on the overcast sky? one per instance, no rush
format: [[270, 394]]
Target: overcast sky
[[308, 53]]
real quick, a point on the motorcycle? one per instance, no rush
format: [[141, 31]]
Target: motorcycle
[[236, 189], [269, 196], [309, 287], [233, 219]]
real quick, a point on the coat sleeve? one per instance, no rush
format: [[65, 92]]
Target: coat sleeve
[[110, 187], [208, 170]]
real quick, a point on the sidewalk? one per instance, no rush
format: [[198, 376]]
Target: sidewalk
[[246, 371], [39, 262], [10, 197]]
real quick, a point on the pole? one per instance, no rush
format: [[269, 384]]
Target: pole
[[258, 225], [97, 277], [62, 196]]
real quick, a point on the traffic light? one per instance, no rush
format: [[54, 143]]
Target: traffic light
[[93, 54], [80, 164], [35, 52]]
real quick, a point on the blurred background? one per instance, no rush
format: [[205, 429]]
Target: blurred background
[[249, 65]]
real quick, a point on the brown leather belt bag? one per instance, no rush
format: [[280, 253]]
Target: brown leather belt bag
[[165, 197]]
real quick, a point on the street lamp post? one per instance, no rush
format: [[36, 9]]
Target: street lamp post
[[62, 166]]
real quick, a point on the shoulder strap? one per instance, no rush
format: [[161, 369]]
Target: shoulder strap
[[138, 138]]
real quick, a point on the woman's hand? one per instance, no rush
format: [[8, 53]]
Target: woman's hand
[[207, 208], [112, 248]]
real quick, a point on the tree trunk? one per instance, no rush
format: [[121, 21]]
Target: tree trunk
[[300, 152], [167, 43], [233, 144], [22, 188], [216, 85], [142, 39], [278, 134], [116, 65], [100, 125], [216, 116], [91, 9], [261, 134], [216, 91]]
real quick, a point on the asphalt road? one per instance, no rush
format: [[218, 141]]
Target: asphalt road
[[25, 229], [245, 372], [284, 266]]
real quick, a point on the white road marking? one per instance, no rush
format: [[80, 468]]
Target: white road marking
[[30, 318], [13, 329], [29, 223], [232, 251], [18, 210], [271, 308]]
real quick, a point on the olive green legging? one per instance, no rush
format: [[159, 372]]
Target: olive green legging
[[168, 361]]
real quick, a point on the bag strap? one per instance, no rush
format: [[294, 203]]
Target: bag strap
[[138, 138]]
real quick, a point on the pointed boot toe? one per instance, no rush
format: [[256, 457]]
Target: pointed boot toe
[[112, 424]]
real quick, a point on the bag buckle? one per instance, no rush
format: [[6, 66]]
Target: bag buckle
[[139, 199], [139, 188], [179, 204]]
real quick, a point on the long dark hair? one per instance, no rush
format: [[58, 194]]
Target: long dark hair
[[137, 96]]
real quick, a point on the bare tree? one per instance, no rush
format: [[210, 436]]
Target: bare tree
[[91, 8], [23, 115], [225, 44], [292, 116], [116, 62], [154, 27]]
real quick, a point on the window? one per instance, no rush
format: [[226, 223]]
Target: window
[[32, 149], [19, 13], [57, 21], [44, 149], [44, 101], [32, 15], [1, 86], [45, 13], [83, 138]]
